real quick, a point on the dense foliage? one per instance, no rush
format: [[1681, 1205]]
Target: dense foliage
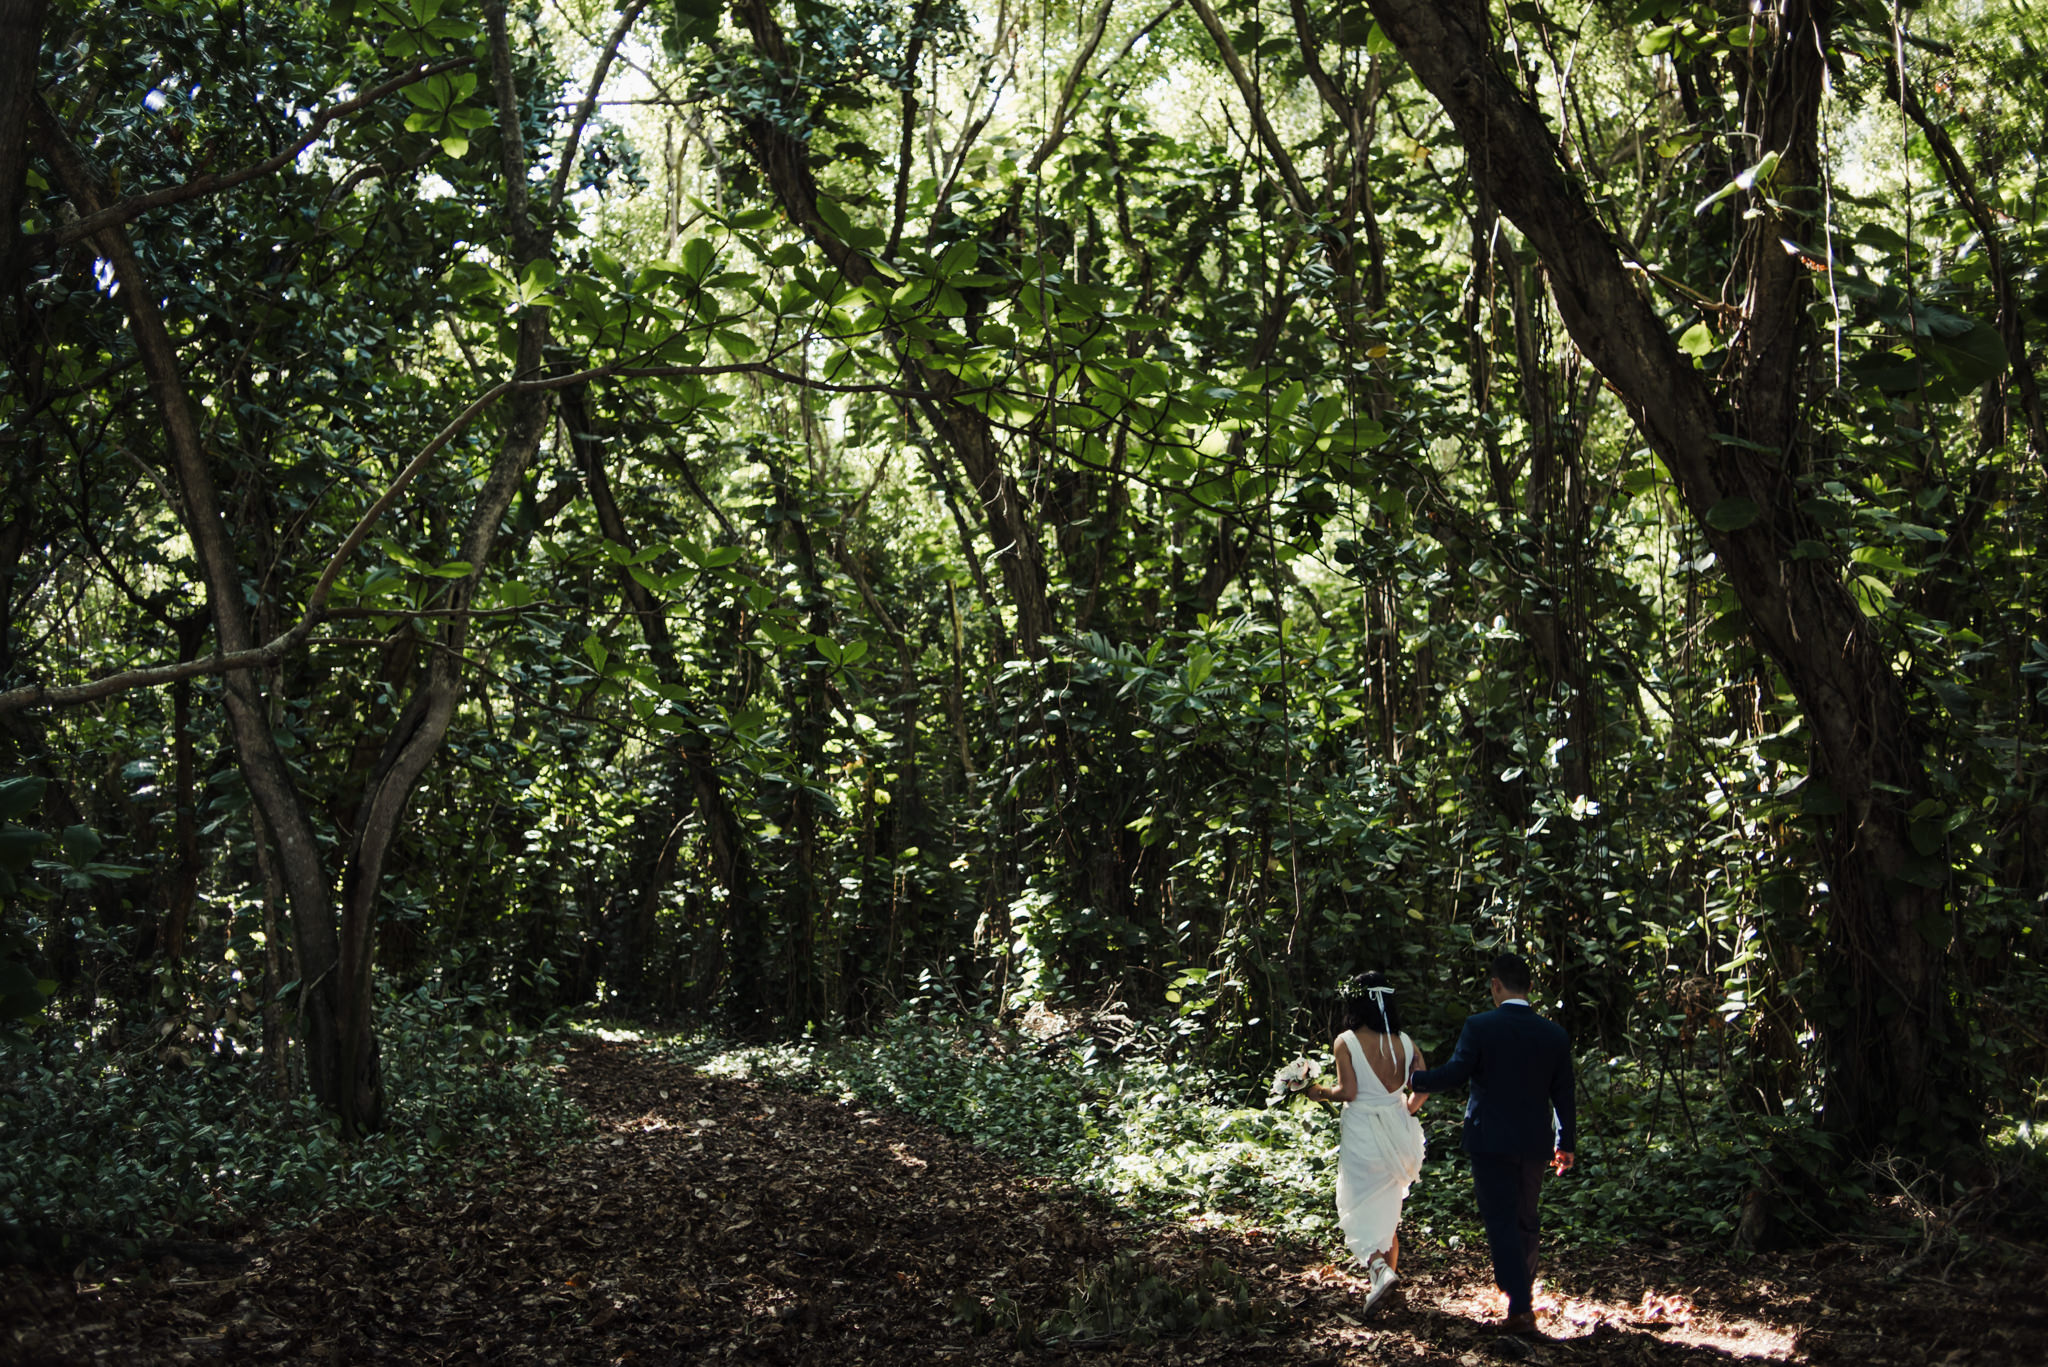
[[1165, 1137], [758, 514], [108, 1150]]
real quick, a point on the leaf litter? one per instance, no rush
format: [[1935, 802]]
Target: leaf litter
[[712, 1220]]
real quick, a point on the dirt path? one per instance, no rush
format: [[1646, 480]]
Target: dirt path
[[713, 1219]]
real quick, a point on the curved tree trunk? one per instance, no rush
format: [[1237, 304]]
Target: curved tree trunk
[[263, 766], [784, 160], [698, 779], [424, 721], [1731, 448]]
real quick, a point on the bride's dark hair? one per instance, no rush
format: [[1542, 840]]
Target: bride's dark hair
[[1362, 1011]]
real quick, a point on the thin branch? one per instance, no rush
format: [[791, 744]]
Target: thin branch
[[119, 213], [2012, 324], [339, 614], [956, 160], [1057, 132], [589, 105], [1255, 103], [1143, 32], [512, 152]]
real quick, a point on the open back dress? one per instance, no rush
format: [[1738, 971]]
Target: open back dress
[[1379, 1154]]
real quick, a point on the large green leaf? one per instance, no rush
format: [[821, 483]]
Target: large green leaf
[[20, 796]]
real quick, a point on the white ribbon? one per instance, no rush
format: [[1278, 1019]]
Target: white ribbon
[[1379, 997]]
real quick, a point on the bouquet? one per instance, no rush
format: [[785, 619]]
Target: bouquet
[[1291, 1078]]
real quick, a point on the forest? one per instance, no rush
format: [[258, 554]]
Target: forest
[[982, 559]]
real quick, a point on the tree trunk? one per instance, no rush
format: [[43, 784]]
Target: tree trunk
[[425, 719], [1733, 457], [784, 159], [21, 49], [185, 859], [262, 763], [698, 778], [804, 907]]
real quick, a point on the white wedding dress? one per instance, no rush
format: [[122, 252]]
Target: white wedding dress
[[1379, 1154]]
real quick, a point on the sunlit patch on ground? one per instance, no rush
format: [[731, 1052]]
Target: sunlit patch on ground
[[1446, 1310], [1672, 1316]]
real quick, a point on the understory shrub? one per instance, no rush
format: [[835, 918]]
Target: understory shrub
[[112, 1146], [1167, 1137]]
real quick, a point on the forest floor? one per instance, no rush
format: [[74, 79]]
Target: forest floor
[[713, 1219]]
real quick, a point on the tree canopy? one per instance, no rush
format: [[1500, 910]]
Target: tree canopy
[[777, 513]]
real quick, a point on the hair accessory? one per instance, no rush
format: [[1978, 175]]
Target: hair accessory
[[1379, 997]]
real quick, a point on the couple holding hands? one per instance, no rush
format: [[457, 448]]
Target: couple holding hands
[[1520, 1120]]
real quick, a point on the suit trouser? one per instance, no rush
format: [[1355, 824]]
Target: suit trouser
[[1508, 1185]]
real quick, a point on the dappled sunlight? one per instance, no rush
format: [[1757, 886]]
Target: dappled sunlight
[[904, 1156], [1672, 1316], [717, 1216]]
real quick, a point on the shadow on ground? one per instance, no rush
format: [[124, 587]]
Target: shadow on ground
[[718, 1220]]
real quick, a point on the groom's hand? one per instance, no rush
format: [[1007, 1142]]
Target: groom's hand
[[1561, 1162]]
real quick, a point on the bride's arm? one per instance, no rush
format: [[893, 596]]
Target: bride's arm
[[1347, 1081], [1415, 1099]]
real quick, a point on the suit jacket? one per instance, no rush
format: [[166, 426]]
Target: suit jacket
[[1520, 1068]]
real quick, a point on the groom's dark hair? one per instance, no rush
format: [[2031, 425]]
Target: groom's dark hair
[[1513, 972]]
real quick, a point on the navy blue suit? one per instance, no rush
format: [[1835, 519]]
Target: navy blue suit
[[1520, 1068]]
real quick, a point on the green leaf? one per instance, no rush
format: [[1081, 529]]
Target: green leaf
[[737, 344], [835, 218], [1871, 593], [1697, 340], [536, 280], [959, 257], [1971, 356], [1761, 173], [1749, 179], [1732, 514], [20, 796], [1879, 557], [19, 846], [690, 22], [82, 845], [698, 258], [433, 94]]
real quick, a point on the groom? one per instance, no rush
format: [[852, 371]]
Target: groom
[[1520, 1068]]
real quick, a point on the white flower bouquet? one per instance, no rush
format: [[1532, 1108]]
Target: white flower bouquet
[[1291, 1078]]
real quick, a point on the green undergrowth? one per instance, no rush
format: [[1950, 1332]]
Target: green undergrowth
[[108, 1148], [1167, 1137]]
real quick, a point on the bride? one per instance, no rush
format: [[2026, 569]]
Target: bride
[[1380, 1152]]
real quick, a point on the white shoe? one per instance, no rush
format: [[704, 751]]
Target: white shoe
[[1383, 1279]]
